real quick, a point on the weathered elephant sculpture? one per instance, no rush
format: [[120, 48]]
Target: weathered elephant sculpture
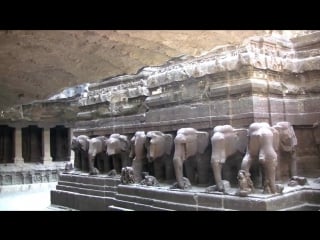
[[227, 142], [159, 152], [80, 146], [139, 154], [190, 146], [97, 151], [286, 150], [118, 147], [262, 145]]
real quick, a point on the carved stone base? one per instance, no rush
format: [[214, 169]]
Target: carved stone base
[[28, 173], [104, 193]]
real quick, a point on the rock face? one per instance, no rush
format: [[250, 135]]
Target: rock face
[[37, 64]]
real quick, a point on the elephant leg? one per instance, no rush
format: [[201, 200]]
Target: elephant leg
[[150, 168], [101, 162], [116, 163], [203, 166], [217, 167], [76, 160], [246, 162], [124, 160], [137, 169], [84, 161], [158, 169], [293, 165], [270, 177], [178, 167], [169, 170], [190, 167], [91, 165]]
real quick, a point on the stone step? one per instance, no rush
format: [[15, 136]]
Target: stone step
[[88, 186], [171, 205], [86, 191], [138, 206], [94, 179], [303, 207], [80, 202], [115, 208]]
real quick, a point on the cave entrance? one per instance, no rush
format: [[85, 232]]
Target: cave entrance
[[6, 144]]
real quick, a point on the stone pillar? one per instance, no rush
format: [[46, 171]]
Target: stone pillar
[[46, 146], [18, 159]]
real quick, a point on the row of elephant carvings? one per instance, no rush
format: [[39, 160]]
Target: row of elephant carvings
[[249, 152]]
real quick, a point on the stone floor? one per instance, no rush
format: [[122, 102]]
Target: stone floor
[[28, 197]]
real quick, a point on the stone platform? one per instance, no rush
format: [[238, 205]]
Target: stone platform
[[29, 173], [103, 193]]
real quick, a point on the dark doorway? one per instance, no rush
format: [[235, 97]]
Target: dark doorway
[[60, 143], [32, 144], [6, 144]]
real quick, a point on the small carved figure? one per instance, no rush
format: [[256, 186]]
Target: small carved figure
[[68, 167], [185, 184], [295, 180], [149, 180], [112, 173], [245, 183], [127, 176]]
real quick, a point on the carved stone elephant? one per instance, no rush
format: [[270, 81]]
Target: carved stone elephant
[[80, 146], [97, 151], [159, 152], [139, 154], [262, 145], [227, 143], [286, 150], [190, 146], [118, 148]]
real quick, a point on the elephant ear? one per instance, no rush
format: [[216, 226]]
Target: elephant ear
[[203, 141], [168, 143], [276, 137], [124, 143]]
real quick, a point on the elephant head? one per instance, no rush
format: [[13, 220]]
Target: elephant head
[[80, 143], [159, 148], [119, 146], [158, 144], [226, 142], [287, 137], [139, 154], [117, 143], [286, 147], [188, 143]]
